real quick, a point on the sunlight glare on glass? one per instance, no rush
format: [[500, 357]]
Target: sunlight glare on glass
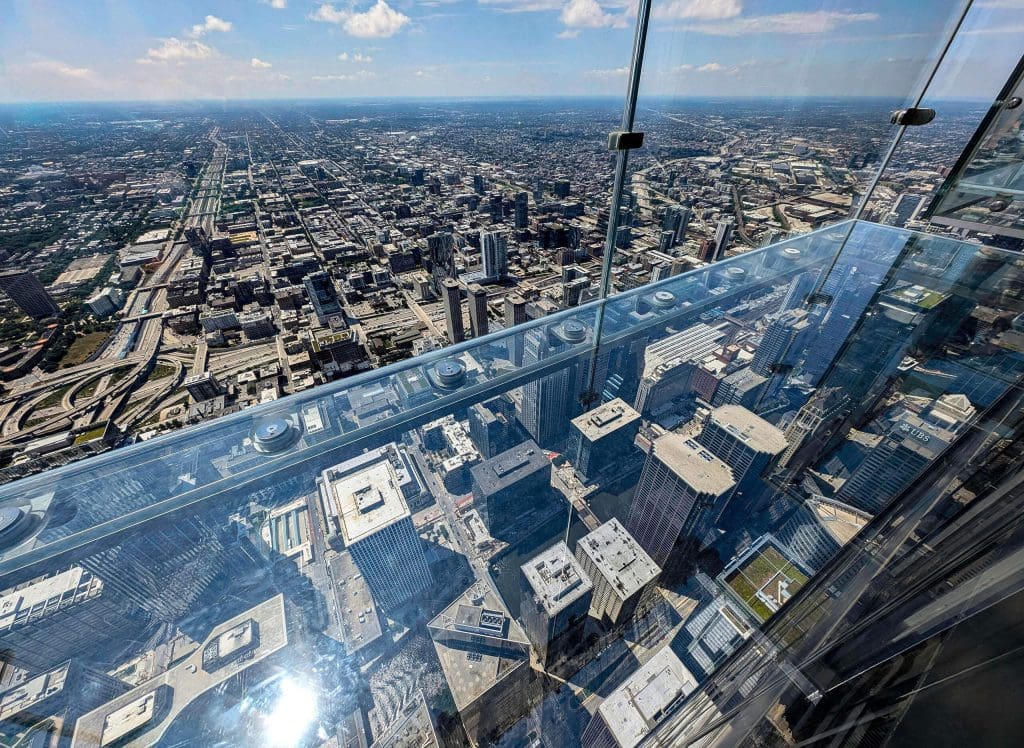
[[291, 716]]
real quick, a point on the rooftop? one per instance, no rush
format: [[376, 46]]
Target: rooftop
[[137, 711], [696, 466], [473, 669], [367, 500], [605, 419], [753, 430], [47, 596], [556, 577], [635, 707], [619, 557], [509, 467]]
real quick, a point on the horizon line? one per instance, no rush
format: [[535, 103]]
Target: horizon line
[[479, 97]]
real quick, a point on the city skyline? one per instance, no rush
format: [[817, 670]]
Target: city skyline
[[278, 49]]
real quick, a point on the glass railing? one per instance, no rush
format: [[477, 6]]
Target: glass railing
[[552, 534]]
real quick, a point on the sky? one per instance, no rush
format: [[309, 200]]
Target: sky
[[85, 50]]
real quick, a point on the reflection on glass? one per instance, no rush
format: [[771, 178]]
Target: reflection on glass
[[501, 553]]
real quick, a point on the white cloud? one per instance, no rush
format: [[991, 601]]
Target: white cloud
[[569, 34], [816, 22], [276, 4], [699, 10], [327, 13], [56, 67], [613, 73], [176, 50], [210, 23], [259, 64], [381, 20], [360, 75], [708, 67], [586, 14], [355, 57]]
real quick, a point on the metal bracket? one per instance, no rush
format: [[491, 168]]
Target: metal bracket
[[624, 141], [912, 117]]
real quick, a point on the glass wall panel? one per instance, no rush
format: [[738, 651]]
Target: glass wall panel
[[764, 121]]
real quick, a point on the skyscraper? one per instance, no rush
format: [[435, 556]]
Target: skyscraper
[[555, 604], [508, 485], [477, 310], [746, 443], [782, 343], [723, 235], [550, 402], [602, 439], [633, 709], [675, 222], [681, 490], [911, 444], [522, 211], [451, 294], [320, 289], [375, 523], [28, 293], [494, 251], [441, 256], [621, 572], [515, 314], [824, 406], [490, 426]]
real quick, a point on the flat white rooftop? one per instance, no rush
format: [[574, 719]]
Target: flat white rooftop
[[556, 578], [367, 500], [619, 557], [698, 467], [749, 428], [634, 708], [605, 419]]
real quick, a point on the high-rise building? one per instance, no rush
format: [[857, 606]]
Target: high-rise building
[[490, 426], [681, 489], [28, 293], [622, 574], [824, 406], [723, 235], [373, 517], [799, 289], [451, 294], [53, 619], [746, 443], [555, 604], [782, 342], [508, 485], [906, 209], [742, 387], [522, 210], [477, 309], [323, 297], [485, 658], [633, 709], [910, 445], [494, 251], [441, 259], [668, 364], [674, 223], [515, 314], [601, 439], [550, 402]]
